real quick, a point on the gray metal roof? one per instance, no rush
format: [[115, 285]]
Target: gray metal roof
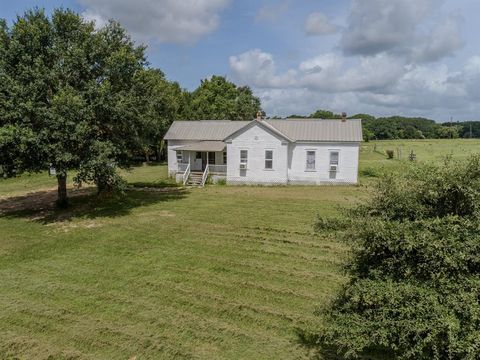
[[203, 129], [349, 130], [204, 146]]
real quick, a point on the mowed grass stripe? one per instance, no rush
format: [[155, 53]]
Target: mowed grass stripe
[[196, 275]]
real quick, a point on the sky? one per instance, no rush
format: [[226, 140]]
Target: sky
[[382, 57]]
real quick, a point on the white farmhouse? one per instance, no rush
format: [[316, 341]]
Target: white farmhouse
[[290, 151]]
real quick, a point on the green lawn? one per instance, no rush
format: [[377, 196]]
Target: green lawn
[[214, 273]]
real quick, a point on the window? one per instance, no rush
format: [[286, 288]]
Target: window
[[224, 158], [310, 160], [179, 157], [268, 159], [211, 158], [243, 156], [198, 155], [334, 155]]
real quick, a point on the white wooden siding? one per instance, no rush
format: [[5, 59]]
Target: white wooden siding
[[347, 163], [289, 160], [256, 140], [172, 154]]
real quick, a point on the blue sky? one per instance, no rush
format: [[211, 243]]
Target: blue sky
[[408, 57]]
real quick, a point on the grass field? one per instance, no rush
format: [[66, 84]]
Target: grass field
[[214, 273]]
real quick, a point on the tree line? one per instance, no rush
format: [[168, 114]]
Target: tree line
[[74, 97], [399, 127]]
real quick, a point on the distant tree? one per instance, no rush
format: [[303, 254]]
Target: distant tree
[[368, 135], [324, 114], [219, 99], [66, 98], [364, 117], [448, 132], [414, 271], [159, 102], [293, 116], [467, 129]]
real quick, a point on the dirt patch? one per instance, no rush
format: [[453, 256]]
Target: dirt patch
[[66, 226], [41, 202]]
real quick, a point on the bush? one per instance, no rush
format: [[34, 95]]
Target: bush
[[370, 172], [390, 154], [222, 181], [415, 270]]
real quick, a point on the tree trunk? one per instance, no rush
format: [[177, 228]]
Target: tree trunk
[[62, 200]]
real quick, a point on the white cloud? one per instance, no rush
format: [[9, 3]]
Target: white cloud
[[326, 72], [96, 18], [318, 23], [387, 60], [383, 25], [170, 21], [381, 84], [442, 41], [258, 68]]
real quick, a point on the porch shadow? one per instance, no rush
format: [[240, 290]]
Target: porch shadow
[[85, 203]]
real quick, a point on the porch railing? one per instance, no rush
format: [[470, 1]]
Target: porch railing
[[218, 169], [186, 174], [205, 175]]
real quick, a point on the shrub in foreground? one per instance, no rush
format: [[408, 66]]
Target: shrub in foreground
[[414, 289]]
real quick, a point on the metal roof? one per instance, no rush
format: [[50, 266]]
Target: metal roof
[[336, 130], [203, 129], [319, 129], [204, 146]]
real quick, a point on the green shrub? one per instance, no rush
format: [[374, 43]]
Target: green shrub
[[222, 181], [369, 172], [415, 269]]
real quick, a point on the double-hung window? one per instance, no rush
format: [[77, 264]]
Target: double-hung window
[[269, 159], [334, 156], [244, 157], [310, 166], [179, 157]]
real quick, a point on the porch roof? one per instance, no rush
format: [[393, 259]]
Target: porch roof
[[204, 146]]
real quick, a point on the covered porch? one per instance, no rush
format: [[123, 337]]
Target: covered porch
[[202, 155], [198, 161]]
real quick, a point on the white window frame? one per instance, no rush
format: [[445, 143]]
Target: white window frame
[[314, 160], [246, 157], [270, 160], [179, 157], [330, 163], [330, 152]]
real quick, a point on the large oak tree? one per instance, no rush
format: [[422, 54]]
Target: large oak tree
[[68, 98]]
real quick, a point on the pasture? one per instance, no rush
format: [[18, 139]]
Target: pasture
[[211, 273]]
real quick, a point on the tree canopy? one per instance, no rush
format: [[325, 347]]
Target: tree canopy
[[67, 97], [219, 99]]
